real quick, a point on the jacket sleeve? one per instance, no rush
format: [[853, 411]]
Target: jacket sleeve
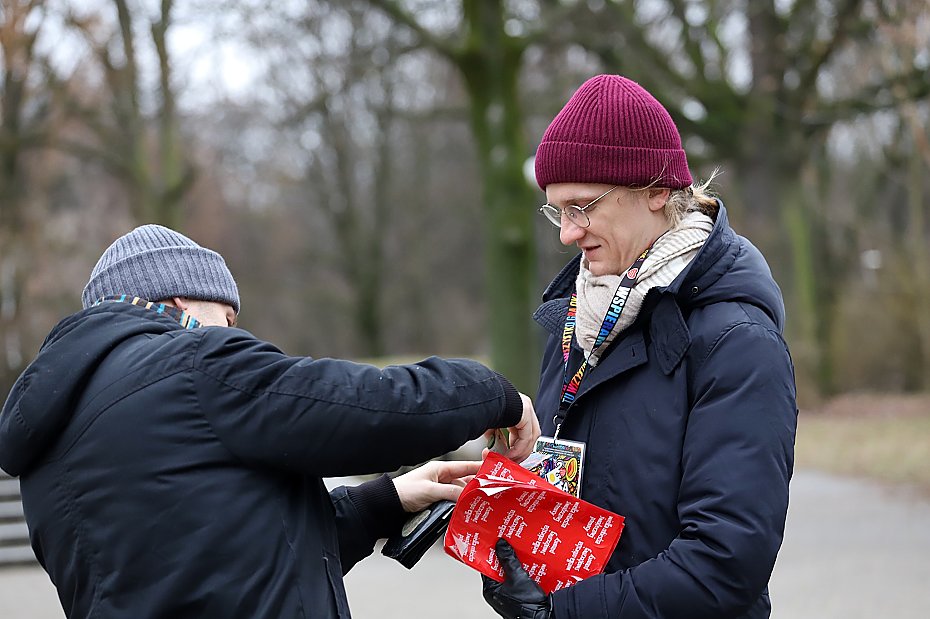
[[737, 460], [331, 418], [364, 514]]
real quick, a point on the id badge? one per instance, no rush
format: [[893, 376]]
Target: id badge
[[558, 462]]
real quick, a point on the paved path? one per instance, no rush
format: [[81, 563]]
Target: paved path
[[853, 550]]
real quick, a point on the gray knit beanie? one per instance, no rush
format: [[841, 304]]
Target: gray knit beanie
[[156, 263]]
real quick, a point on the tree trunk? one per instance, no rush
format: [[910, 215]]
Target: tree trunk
[[490, 67], [16, 54], [12, 360], [784, 214], [918, 377]]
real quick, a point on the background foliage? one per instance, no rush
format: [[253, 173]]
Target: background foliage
[[361, 164]]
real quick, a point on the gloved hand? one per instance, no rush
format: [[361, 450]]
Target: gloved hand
[[518, 597]]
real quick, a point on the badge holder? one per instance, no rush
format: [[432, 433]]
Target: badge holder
[[558, 461]]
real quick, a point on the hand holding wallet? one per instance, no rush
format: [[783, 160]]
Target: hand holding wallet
[[425, 527], [419, 533]]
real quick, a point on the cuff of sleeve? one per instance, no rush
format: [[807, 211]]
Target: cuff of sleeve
[[378, 506], [558, 604], [513, 404], [587, 598]]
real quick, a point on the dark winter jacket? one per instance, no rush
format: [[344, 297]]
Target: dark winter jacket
[[689, 423], [176, 473]]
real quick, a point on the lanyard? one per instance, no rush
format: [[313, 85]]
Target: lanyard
[[184, 319], [570, 385]]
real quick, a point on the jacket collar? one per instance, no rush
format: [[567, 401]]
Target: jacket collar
[[666, 323], [183, 318]]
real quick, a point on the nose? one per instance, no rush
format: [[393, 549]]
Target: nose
[[570, 233]]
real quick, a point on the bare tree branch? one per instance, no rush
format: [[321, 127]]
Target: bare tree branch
[[712, 34], [112, 161], [550, 29], [889, 94], [691, 45], [820, 55], [655, 68], [394, 10]]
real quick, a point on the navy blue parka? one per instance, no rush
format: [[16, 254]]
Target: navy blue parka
[[689, 421], [168, 472]]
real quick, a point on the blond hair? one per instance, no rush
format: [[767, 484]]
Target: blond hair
[[694, 198]]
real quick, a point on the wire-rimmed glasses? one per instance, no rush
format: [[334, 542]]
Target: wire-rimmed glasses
[[575, 214]]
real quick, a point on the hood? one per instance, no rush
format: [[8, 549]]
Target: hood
[[43, 399], [727, 268]]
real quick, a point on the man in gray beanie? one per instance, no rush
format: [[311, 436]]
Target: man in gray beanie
[[155, 262], [171, 466]]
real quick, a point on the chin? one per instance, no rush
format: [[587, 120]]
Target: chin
[[600, 267]]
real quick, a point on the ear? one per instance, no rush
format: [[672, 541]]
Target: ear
[[180, 303], [657, 197]]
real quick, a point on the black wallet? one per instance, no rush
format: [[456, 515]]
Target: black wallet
[[419, 533]]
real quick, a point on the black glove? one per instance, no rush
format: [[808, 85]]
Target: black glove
[[518, 597]]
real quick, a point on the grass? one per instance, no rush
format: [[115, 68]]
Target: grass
[[886, 438]]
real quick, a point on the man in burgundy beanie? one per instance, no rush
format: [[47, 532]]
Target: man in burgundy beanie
[[666, 365], [612, 131]]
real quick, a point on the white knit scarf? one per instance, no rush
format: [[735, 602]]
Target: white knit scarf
[[670, 254]]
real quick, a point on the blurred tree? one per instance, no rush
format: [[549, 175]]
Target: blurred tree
[[349, 162], [24, 126], [486, 47], [347, 172], [755, 85], [759, 85], [917, 239], [907, 165], [130, 128], [360, 144], [916, 258], [332, 113]]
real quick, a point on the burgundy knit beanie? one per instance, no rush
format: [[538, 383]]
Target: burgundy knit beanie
[[614, 132]]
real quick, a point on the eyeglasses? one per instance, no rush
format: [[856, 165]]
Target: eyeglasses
[[575, 214]]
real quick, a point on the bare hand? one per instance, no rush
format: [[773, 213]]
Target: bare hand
[[523, 435], [434, 481]]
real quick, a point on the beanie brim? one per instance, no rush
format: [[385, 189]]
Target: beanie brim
[[575, 162], [189, 272]]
